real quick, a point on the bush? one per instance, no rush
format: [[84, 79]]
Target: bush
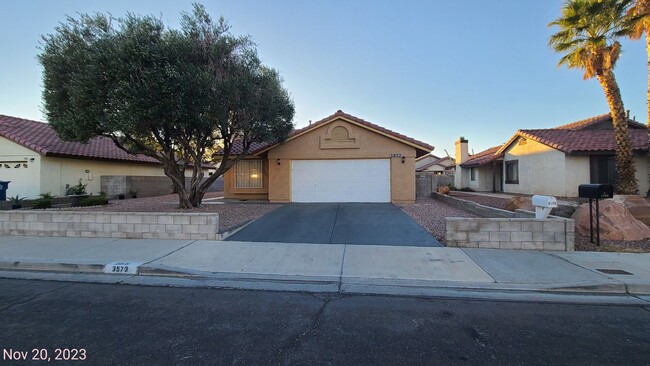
[[466, 189], [452, 187], [42, 203], [77, 189], [94, 201]]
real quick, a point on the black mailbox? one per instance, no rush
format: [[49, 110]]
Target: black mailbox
[[596, 191]]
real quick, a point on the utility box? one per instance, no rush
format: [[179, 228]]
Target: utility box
[[4, 185], [596, 191]]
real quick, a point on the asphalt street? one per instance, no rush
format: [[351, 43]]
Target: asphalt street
[[337, 223], [131, 325]]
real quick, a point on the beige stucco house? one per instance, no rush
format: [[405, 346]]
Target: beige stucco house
[[340, 158], [553, 161], [35, 160]]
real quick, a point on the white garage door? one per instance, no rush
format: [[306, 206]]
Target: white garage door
[[366, 180]]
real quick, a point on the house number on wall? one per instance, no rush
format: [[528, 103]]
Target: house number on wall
[[395, 155]]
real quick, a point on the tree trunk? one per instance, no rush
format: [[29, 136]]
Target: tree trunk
[[625, 171]]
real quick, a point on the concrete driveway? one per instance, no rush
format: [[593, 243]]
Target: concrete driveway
[[337, 223]]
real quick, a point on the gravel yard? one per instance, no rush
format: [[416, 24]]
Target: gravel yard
[[430, 214], [495, 202], [231, 213]]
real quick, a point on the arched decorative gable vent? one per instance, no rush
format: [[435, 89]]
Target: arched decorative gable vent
[[339, 136]]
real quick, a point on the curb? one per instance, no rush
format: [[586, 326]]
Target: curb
[[179, 277]]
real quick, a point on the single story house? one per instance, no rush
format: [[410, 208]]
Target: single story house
[[35, 160], [424, 160], [552, 161], [434, 164], [341, 158]]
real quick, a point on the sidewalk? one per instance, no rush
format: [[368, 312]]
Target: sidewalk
[[416, 271]]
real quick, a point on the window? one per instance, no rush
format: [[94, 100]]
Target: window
[[472, 174], [602, 169], [512, 172], [248, 174]]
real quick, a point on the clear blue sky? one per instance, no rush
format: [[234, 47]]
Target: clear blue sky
[[432, 69]]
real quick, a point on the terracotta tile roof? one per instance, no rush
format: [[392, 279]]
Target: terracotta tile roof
[[578, 137], [583, 123], [577, 141], [41, 138], [482, 158], [261, 147], [238, 147], [589, 122]]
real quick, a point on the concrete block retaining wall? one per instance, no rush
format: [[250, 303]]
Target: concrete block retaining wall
[[475, 208], [126, 225], [511, 233]]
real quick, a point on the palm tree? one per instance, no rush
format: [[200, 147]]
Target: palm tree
[[588, 35], [641, 12]]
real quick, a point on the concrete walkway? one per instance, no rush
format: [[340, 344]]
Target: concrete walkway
[[420, 271]]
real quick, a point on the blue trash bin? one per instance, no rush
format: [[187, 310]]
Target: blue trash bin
[[4, 185]]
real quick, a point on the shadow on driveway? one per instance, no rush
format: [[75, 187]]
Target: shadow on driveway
[[337, 223]]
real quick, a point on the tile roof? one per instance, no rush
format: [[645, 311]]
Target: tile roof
[[579, 137], [583, 123], [589, 122], [41, 138], [482, 158], [577, 141], [261, 147]]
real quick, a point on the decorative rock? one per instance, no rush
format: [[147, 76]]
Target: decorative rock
[[637, 205], [443, 189], [616, 222], [519, 203]]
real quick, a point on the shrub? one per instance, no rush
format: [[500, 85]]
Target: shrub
[[452, 187], [42, 203], [94, 201], [467, 189], [77, 189]]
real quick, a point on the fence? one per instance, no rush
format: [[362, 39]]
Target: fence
[[428, 182], [146, 186]]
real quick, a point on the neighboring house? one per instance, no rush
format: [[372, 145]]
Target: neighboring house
[[554, 161], [480, 172], [36, 160], [341, 158], [437, 166], [424, 160]]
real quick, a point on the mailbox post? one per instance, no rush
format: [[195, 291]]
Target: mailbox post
[[543, 205], [595, 192]]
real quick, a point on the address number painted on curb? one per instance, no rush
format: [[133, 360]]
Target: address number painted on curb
[[122, 268]]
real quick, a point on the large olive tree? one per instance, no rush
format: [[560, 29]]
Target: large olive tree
[[171, 94]]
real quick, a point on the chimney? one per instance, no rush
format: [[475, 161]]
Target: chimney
[[461, 150]]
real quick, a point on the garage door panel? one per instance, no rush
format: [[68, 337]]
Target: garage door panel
[[358, 180]]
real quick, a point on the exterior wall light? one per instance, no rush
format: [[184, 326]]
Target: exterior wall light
[[403, 159], [278, 161]]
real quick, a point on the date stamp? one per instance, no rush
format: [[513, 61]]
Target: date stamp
[[44, 354]]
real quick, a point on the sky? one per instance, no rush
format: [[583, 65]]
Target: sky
[[433, 70]]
